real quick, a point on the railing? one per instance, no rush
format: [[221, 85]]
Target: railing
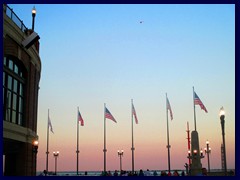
[[10, 13]]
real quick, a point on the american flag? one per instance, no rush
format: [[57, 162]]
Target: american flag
[[169, 108], [50, 125], [109, 115], [80, 119], [134, 113], [197, 101]]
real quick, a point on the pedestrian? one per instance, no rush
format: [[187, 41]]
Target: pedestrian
[[183, 173], [204, 172], [130, 173], [155, 173], [45, 172], [125, 173], [141, 172], [42, 173], [163, 173], [175, 173], [115, 173], [148, 173], [109, 173]]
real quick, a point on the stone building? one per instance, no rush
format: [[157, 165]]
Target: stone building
[[21, 76]]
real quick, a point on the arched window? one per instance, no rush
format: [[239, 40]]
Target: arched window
[[13, 90]]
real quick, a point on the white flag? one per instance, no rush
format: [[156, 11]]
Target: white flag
[[50, 125]]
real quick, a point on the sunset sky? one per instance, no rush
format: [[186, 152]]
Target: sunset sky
[[96, 54]]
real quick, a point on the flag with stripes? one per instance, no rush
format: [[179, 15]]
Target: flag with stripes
[[169, 108], [80, 119], [108, 115], [197, 101], [50, 125], [134, 114]]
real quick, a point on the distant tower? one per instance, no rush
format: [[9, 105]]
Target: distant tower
[[189, 143]]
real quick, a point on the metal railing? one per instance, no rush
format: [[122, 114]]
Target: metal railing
[[10, 13]]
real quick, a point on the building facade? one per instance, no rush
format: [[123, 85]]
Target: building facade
[[21, 76]]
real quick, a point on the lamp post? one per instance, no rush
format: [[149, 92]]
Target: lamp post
[[222, 118], [35, 146], [35, 151], [201, 153], [33, 16], [56, 154], [208, 151], [120, 154]]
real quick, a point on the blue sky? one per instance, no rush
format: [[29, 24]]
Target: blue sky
[[96, 54]]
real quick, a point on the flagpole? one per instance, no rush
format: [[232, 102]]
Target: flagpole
[[195, 126], [47, 152], [189, 146], [132, 142], [104, 150], [77, 139], [168, 146]]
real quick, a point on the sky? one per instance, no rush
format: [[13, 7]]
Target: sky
[[93, 54]]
